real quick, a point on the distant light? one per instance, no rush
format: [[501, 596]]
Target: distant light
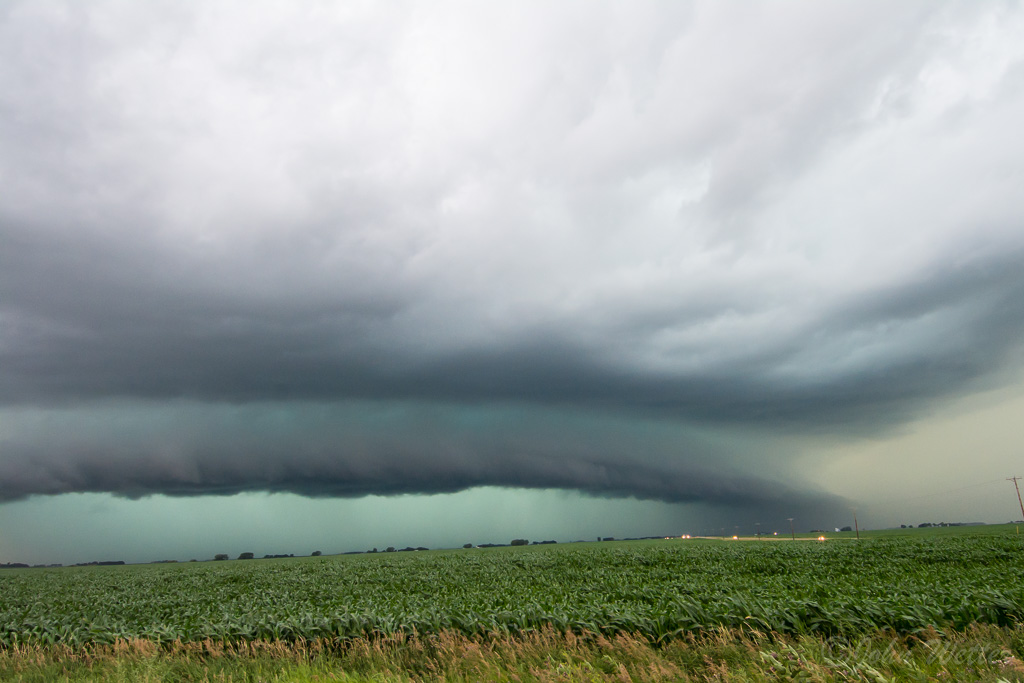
[[776, 533], [735, 537], [821, 538]]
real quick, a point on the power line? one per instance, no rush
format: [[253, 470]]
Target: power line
[[1014, 480]]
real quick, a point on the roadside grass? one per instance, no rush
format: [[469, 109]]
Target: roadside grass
[[981, 653]]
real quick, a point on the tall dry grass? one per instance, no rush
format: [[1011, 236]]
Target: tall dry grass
[[983, 653]]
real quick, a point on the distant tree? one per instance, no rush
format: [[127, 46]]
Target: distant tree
[[245, 556], [468, 545], [520, 541], [608, 538], [317, 553], [390, 549], [220, 557], [847, 528]]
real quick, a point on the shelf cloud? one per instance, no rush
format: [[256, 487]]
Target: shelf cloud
[[341, 251]]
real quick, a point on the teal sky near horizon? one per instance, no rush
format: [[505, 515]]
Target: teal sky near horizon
[[976, 440], [270, 524], [277, 278]]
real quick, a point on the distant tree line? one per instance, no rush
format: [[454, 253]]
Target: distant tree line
[[221, 557], [514, 542]]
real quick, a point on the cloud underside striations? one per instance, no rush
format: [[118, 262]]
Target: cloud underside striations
[[351, 251]]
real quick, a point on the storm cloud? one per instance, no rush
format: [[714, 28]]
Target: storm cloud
[[625, 251]]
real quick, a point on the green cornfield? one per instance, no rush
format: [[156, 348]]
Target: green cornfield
[[655, 589]]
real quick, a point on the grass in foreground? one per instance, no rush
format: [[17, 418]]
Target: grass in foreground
[[982, 653]]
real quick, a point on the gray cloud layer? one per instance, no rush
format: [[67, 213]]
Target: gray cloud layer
[[361, 448], [708, 216]]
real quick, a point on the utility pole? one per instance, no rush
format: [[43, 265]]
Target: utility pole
[[855, 525], [791, 529], [1014, 480]]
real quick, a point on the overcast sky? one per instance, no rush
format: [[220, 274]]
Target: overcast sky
[[423, 272]]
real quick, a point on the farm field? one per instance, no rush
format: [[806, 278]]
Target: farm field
[[657, 593]]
